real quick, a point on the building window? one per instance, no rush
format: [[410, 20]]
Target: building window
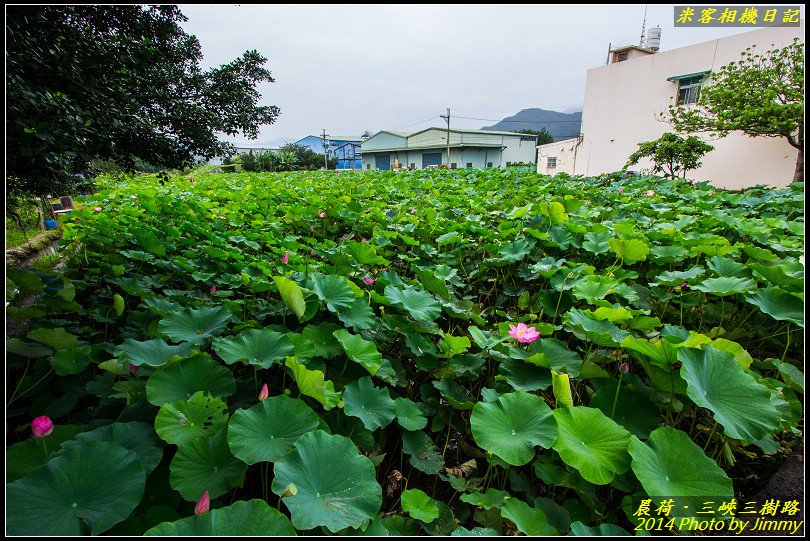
[[489, 164], [453, 166], [469, 165], [621, 57], [689, 90], [368, 166], [412, 167], [508, 164], [552, 163]]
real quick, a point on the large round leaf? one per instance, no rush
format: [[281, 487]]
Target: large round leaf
[[592, 443], [779, 304], [336, 485], [28, 455], [151, 352], [419, 505], [633, 411], [134, 436], [333, 290], [370, 404], [420, 304], [261, 347], [206, 464], [529, 520], [724, 286], [670, 464], [71, 360], [87, 489], [184, 378], [512, 425], [359, 350], [243, 518], [268, 430], [409, 416], [184, 420], [715, 380], [195, 326]]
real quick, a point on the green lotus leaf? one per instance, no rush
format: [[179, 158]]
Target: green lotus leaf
[[423, 454], [556, 356], [370, 404], [292, 295], [56, 339], [523, 376], [419, 505], [409, 416], [489, 499], [66, 497], [779, 304], [242, 518], [458, 396], [333, 290], [676, 278], [312, 383], [323, 340], [184, 378], [206, 464], [672, 465], [725, 286], [630, 250], [592, 443], [268, 430], [602, 333], [516, 250], [529, 520], [259, 347], [185, 420], [71, 360], [31, 350], [594, 287], [604, 529], [151, 352], [723, 266], [477, 531], [715, 380], [419, 304], [359, 350], [512, 425], [633, 411], [336, 485], [26, 456], [359, 315], [195, 326], [597, 243], [133, 436], [660, 352]]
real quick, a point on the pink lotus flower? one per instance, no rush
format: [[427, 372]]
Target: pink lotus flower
[[369, 281], [588, 202], [97, 209], [621, 190], [650, 193], [684, 284], [212, 290], [712, 192], [203, 505], [624, 368], [41, 426], [133, 196], [413, 209], [133, 369], [523, 334], [264, 393], [345, 235], [321, 214], [286, 258], [363, 239]]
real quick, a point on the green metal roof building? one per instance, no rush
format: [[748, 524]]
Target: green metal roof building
[[428, 148]]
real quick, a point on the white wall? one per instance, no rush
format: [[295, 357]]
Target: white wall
[[565, 151], [623, 102]]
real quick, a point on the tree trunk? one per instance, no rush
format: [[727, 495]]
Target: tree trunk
[[798, 175]]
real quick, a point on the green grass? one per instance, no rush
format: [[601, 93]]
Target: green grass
[[15, 237]]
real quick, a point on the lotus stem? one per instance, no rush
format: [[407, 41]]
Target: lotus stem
[[616, 396]]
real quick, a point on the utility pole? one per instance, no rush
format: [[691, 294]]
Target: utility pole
[[325, 150], [447, 118]]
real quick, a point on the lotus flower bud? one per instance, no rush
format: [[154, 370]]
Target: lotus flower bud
[[203, 505], [650, 193], [321, 215], [621, 190], [286, 258], [133, 369], [264, 393], [97, 209], [624, 368], [41, 426], [369, 281], [212, 290]]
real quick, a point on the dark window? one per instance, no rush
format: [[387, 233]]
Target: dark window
[[489, 164], [469, 165], [689, 90], [508, 164], [552, 163], [368, 166], [453, 166], [413, 166], [621, 57]]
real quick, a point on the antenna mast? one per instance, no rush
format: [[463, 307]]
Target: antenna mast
[[643, 28]]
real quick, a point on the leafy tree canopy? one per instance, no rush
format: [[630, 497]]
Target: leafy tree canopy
[[543, 137], [117, 82], [671, 154], [760, 95]]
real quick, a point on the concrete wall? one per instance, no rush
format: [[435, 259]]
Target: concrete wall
[[623, 102], [564, 151]]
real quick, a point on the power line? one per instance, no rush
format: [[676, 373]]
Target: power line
[[521, 121], [431, 117]]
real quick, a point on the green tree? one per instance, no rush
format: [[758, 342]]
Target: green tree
[[671, 154], [306, 159], [543, 137], [761, 95], [117, 82]]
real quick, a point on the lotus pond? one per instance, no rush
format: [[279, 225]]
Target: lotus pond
[[434, 352]]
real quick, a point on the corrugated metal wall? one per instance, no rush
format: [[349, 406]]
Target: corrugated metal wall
[[382, 141]]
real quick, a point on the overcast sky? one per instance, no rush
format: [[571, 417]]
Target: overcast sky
[[351, 68]]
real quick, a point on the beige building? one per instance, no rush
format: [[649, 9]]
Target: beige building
[[623, 101]]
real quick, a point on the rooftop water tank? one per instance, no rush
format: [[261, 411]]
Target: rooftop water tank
[[653, 38]]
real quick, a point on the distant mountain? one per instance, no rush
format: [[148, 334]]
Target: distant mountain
[[559, 125], [573, 110]]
